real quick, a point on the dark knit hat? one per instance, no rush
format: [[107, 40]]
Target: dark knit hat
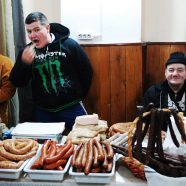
[[176, 57]]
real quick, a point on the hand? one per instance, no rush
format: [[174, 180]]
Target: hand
[[28, 54]]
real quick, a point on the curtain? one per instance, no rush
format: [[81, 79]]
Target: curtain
[[26, 105], [7, 49], [2, 28]]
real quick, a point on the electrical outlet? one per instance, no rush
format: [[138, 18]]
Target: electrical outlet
[[85, 36]]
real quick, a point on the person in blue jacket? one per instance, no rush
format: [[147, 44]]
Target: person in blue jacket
[[170, 93], [59, 70]]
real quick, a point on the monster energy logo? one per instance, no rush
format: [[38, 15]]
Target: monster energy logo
[[50, 54], [47, 66]]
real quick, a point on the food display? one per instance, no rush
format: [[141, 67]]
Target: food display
[[120, 128], [53, 156], [93, 162], [13, 152], [14, 155], [87, 127], [93, 157], [53, 159], [153, 154]]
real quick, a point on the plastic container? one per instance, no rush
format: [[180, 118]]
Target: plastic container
[[101, 178], [53, 175], [12, 173]]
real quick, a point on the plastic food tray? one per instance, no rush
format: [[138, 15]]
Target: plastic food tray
[[53, 175], [101, 178], [12, 173]]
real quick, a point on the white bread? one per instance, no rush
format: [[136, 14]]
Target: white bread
[[87, 119]]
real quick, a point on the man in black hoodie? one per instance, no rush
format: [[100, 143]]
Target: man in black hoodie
[[59, 70], [170, 93]]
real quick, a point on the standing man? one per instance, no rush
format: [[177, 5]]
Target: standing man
[[59, 69], [170, 93], [7, 90]]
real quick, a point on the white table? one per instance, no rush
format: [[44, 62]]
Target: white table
[[123, 177]]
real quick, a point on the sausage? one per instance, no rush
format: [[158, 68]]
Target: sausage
[[3, 158], [10, 164], [52, 149], [113, 137], [100, 150], [78, 162], [69, 152], [15, 157], [60, 168], [75, 154], [121, 138], [37, 163], [44, 150], [59, 148], [105, 162], [179, 123], [90, 156], [110, 165], [109, 149], [95, 152], [54, 165], [10, 145], [96, 170], [58, 156], [84, 157], [151, 142]]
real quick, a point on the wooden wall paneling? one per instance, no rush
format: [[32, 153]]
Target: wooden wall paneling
[[91, 102], [176, 47], [105, 86], [118, 83], [133, 80], [164, 55], [98, 100], [152, 64]]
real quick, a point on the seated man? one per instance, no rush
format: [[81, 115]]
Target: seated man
[[170, 93]]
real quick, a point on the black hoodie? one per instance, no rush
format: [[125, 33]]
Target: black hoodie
[[61, 72]]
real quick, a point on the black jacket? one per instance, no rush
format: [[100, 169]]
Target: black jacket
[[158, 95], [60, 74]]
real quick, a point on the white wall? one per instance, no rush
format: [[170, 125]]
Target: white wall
[[164, 20], [109, 21], [117, 21], [51, 8]]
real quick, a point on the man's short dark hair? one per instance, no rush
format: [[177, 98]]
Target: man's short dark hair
[[36, 16]]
